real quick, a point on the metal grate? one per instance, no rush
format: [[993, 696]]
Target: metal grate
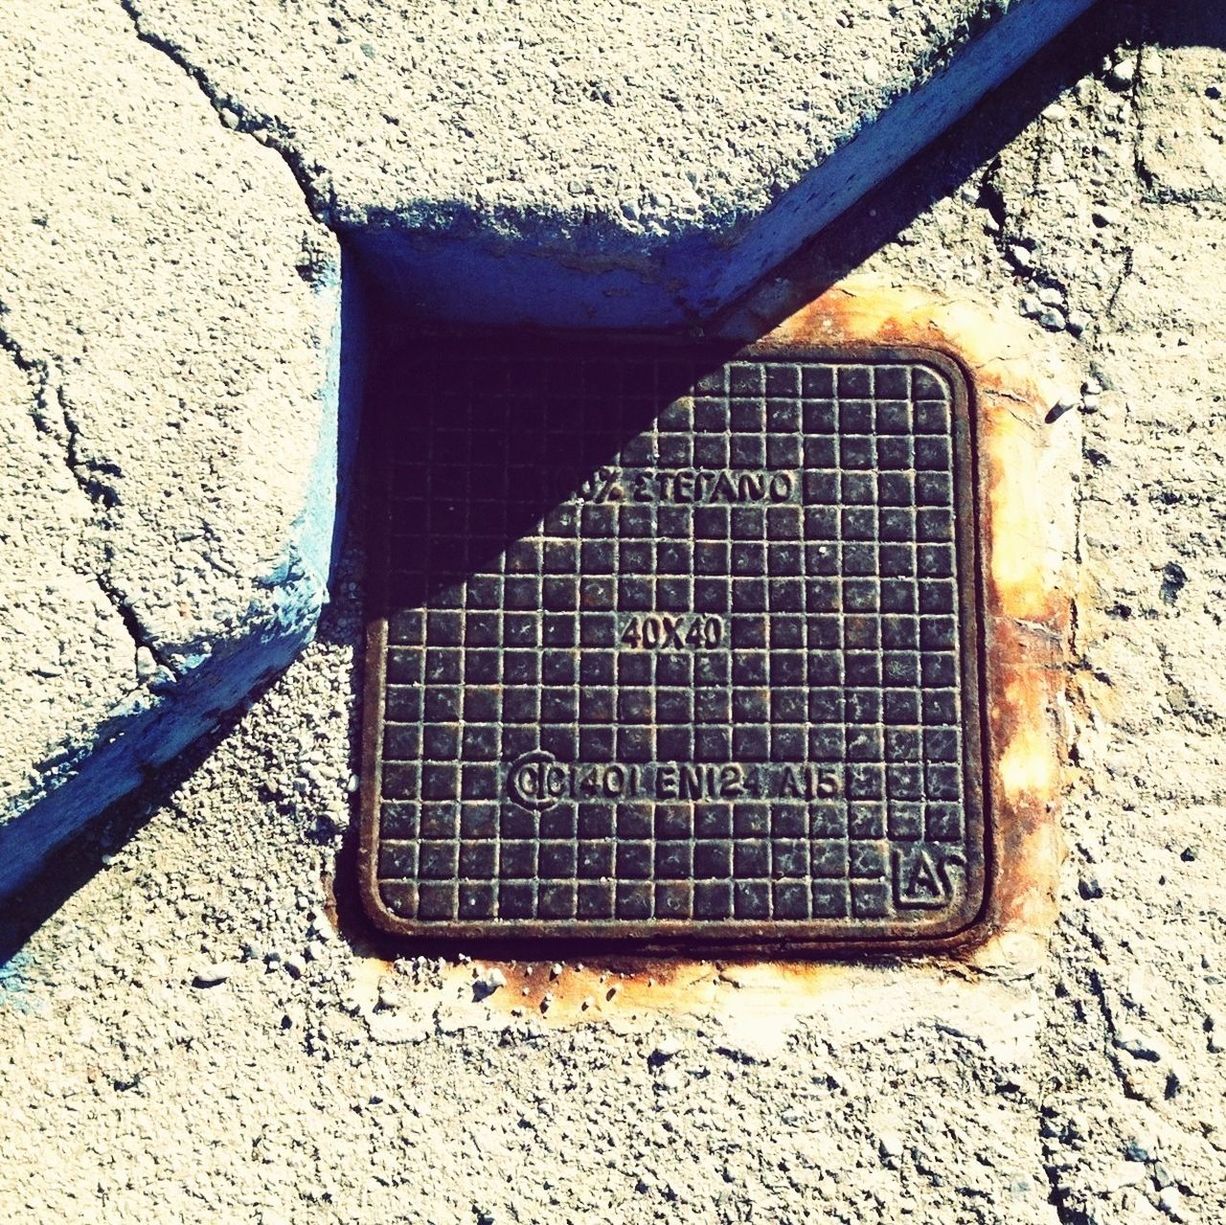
[[668, 642]]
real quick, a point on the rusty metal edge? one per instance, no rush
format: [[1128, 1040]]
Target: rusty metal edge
[[971, 924]]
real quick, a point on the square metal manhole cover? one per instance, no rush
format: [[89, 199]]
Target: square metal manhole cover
[[671, 644]]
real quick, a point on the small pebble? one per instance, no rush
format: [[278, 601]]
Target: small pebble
[[1089, 888], [213, 974], [1138, 1045], [146, 664], [1046, 315], [1213, 1041], [1138, 1149], [1170, 1200], [1120, 1175], [890, 1148], [666, 1048]]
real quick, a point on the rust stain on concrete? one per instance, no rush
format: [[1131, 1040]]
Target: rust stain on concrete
[[1026, 457]]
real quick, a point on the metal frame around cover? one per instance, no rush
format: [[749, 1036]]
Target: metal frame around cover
[[795, 937]]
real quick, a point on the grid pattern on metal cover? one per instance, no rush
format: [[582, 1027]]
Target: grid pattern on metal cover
[[673, 644]]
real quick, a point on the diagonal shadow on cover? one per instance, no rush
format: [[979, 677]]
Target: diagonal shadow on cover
[[399, 305]]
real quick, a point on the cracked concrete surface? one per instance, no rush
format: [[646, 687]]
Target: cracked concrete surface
[[590, 164], [175, 310], [174, 283], [65, 652], [56, 424], [157, 273], [187, 1037], [644, 117]]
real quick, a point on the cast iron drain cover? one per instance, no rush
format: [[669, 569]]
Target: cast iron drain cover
[[673, 644]]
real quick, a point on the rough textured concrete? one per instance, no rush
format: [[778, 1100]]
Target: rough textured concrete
[[176, 308], [186, 1038], [624, 164], [67, 655], [169, 318]]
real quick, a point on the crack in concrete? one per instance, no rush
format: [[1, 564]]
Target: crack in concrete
[[1094, 1011], [97, 493], [1120, 281], [36, 369], [1058, 1191], [1145, 37], [1144, 180], [1008, 234], [235, 115], [1100, 993], [1076, 646]]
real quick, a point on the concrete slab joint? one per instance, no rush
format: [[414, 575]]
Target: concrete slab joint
[[172, 312]]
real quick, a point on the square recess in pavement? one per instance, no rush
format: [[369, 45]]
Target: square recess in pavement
[[673, 644]]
